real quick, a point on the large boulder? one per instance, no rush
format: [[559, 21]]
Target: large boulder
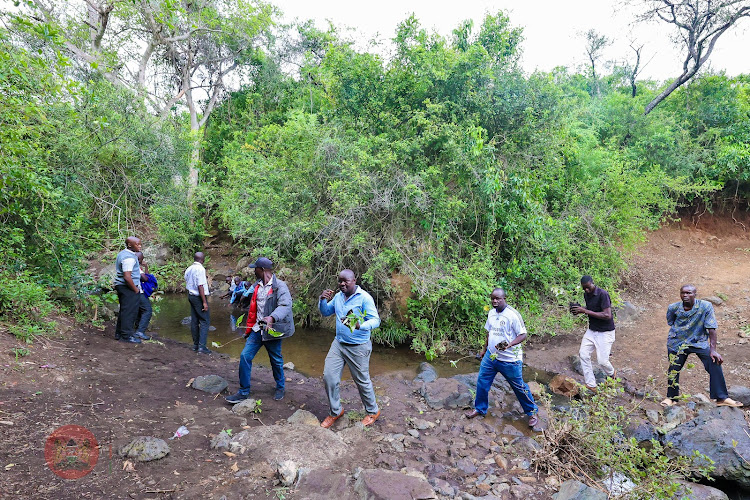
[[565, 386], [303, 417], [740, 393], [156, 254], [324, 484], [107, 275], [245, 408], [145, 449], [242, 264], [213, 384], [499, 384], [694, 491], [379, 484], [721, 434], [446, 393], [627, 312], [426, 373], [599, 373], [576, 490]]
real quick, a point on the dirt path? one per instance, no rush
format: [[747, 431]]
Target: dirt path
[[119, 391], [714, 256]]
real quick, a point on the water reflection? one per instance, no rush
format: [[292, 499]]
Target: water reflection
[[307, 348]]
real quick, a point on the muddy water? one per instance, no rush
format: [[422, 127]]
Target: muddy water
[[307, 348]]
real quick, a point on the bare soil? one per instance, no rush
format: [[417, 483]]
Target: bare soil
[[119, 391]]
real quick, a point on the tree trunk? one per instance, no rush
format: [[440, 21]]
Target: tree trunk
[[672, 87]]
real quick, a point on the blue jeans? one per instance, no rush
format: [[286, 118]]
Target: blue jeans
[[200, 321], [513, 373], [144, 314], [252, 346]]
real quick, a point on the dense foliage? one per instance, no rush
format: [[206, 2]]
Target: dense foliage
[[434, 167]]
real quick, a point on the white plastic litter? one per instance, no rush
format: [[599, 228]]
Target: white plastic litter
[[180, 432]]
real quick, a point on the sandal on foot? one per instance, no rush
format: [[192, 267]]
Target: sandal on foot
[[533, 421], [729, 402], [667, 403]]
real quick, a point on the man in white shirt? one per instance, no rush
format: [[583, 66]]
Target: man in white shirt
[[128, 287], [197, 287], [503, 354]]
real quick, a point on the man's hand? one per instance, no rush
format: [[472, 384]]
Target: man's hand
[[481, 354], [716, 357], [205, 305], [327, 294], [577, 310], [269, 321]]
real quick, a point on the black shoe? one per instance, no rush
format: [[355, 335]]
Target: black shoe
[[141, 336], [131, 339], [278, 395], [203, 350], [195, 347], [236, 398]]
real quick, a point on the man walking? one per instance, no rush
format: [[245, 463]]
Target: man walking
[[197, 287], [503, 354], [269, 320], [692, 330], [127, 284], [356, 317], [601, 332]]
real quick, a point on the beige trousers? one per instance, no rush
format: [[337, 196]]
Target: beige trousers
[[601, 342]]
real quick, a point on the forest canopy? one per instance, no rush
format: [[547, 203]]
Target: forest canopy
[[444, 166]]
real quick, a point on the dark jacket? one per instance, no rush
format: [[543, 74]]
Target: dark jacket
[[279, 307]]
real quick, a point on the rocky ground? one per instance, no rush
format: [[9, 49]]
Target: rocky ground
[[421, 447]]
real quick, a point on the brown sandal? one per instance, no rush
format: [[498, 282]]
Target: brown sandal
[[729, 402]]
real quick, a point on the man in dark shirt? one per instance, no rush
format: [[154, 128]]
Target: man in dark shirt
[[601, 332]]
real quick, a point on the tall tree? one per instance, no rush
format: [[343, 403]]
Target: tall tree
[[169, 52], [698, 25], [595, 44]]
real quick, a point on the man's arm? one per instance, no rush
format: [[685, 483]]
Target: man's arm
[[372, 318], [519, 328], [283, 306], [715, 356], [129, 281], [202, 293], [671, 315], [486, 344], [325, 303], [605, 313]]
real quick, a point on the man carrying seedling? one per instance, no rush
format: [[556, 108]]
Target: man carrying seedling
[[692, 330], [356, 317], [503, 354], [269, 320]]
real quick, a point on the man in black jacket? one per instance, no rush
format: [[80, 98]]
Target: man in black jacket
[[269, 320]]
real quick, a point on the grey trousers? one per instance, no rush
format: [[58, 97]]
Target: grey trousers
[[357, 358]]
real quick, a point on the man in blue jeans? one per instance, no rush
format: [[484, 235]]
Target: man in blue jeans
[[503, 354], [269, 320]]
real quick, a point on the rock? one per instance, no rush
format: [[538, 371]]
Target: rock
[[442, 487], [426, 373], [413, 433], [156, 254], [628, 312], [289, 365], [522, 491], [576, 490], [694, 491], [186, 320], [653, 416], [245, 408], [566, 386], [618, 484], [599, 373], [322, 484], [674, 416], [221, 441], [501, 461], [740, 393], [526, 445], [213, 384], [714, 433], [308, 446], [379, 484], [242, 264], [643, 433], [536, 388], [145, 449], [717, 301], [500, 489], [287, 472], [499, 388], [303, 417], [466, 465], [107, 275], [446, 393], [421, 425]]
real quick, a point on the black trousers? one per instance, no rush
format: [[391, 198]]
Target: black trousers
[[200, 321], [718, 386], [129, 302]]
